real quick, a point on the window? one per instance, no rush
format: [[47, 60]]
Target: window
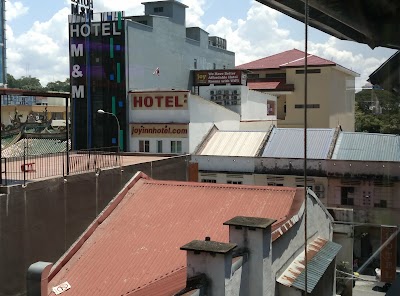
[[309, 106], [309, 71], [347, 196], [214, 66], [158, 9], [253, 76], [234, 182], [276, 76], [159, 147], [208, 181], [144, 146], [195, 63], [382, 204], [176, 146]]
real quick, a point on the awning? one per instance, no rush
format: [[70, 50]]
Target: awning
[[270, 85], [320, 254]]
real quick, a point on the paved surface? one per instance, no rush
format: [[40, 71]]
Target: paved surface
[[370, 287]]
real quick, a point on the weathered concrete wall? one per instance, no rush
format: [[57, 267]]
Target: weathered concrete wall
[[41, 221]]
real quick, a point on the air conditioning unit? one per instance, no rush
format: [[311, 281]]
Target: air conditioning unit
[[211, 92]]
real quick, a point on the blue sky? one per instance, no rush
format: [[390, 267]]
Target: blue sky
[[37, 37]]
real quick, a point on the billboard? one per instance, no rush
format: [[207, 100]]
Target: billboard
[[160, 130], [159, 100], [207, 77]]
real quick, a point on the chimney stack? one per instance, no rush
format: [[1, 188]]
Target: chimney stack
[[37, 278], [253, 235], [212, 259]]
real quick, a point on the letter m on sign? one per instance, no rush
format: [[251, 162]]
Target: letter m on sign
[[78, 92], [76, 50]]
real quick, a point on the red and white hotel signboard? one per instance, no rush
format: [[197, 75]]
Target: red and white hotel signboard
[[388, 255], [159, 100]]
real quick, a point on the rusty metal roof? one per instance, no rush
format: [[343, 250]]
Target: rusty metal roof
[[289, 58], [320, 254], [133, 247]]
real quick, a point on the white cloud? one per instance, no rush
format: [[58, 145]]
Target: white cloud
[[14, 9], [133, 7], [42, 51], [260, 35], [194, 12]]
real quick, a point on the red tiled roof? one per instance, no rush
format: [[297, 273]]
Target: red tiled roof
[[270, 85], [289, 58], [133, 247]]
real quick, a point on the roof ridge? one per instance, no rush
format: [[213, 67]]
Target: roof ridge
[[213, 185], [157, 279], [275, 54]]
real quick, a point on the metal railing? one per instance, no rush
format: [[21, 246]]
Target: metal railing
[[20, 170]]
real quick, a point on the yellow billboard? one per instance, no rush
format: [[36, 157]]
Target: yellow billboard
[[160, 130]]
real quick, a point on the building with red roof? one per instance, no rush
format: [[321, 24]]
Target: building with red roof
[[137, 245], [331, 89]]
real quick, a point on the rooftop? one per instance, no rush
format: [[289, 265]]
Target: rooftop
[[367, 146], [235, 143], [286, 59], [133, 247], [288, 143]]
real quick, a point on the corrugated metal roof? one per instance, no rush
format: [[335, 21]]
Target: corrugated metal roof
[[237, 143], [289, 58], [35, 147], [366, 146], [320, 254], [138, 244], [288, 143]]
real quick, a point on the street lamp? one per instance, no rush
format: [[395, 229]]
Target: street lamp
[[101, 111]]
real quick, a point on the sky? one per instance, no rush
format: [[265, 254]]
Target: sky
[[37, 35]]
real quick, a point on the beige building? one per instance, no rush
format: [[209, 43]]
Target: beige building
[[331, 89]]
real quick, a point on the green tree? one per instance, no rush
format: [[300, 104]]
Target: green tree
[[61, 86], [12, 82], [25, 82], [377, 111]]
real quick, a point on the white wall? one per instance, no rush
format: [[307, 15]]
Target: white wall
[[259, 125], [254, 104], [203, 115], [166, 145]]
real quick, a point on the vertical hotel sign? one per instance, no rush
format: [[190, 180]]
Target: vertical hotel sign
[[97, 69], [388, 255], [79, 26]]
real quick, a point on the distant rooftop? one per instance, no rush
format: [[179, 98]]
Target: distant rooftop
[[288, 143], [289, 58], [236, 143], [366, 146]]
